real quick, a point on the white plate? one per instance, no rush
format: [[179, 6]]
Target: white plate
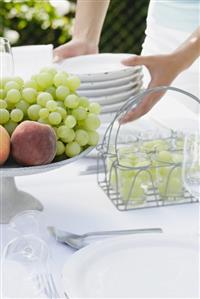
[[116, 98], [111, 83], [98, 67], [150, 266], [109, 91]]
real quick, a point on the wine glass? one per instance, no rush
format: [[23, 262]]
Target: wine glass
[[6, 59], [23, 258], [30, 222], [191, 164]]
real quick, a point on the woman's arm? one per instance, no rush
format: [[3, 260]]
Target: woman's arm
[[90, 15], [163, 70]]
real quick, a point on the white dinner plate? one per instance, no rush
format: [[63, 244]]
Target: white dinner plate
[[98, 67], [116, 98], [109, 91], [111, 83], [147, 266]]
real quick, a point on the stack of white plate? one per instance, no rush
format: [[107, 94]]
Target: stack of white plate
[[104, 79]]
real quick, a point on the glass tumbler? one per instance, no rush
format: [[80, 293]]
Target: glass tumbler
[[6, 59]]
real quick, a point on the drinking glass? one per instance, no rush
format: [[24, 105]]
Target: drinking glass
[[191, 164], [6, 59], [23, 258]]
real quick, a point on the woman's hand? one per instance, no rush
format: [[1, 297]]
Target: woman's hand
[[163, 70], [75, 47]]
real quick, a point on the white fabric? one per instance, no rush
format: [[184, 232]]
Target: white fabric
[[176, 14], [78, 205], [161, 38], [29, 60]]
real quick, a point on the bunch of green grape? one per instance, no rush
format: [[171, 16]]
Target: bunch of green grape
[[50, 97], [154, 163]]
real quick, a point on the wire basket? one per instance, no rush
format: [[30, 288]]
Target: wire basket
[[146, 172]]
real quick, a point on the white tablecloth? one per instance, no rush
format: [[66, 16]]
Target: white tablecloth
[[77, 204]]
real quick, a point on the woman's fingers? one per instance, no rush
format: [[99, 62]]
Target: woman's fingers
[[74, 48], [137, 60], [145, 106]]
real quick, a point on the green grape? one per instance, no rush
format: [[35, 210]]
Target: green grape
[[33, 112], [161, 145], [81, 137], [60, 79], [31, 84], [165, 156], [62, 92], [34, 77], [66, 134], [23, 106], [44, 80], [49, 69], [19, 81], [51, 105], [71, 101], [92, 122], [16, 115], [93, 138], [2, 94], [13, 96], [4, 80], [94, 108], [81, 124], [70, 121], [79, 113], [60, 148], [142, 163], [73, 82], [11, 85], [55, 118], [72, 149], [170, 181], [10, 105], [4, 116], [83, 102], [177, 157], [136, 193], [44, 121], [61, 104], [3, 104], [43, 98], [10, 126], [44, 113], [62, 112], [52, 91], [56, 132], [29, 95]]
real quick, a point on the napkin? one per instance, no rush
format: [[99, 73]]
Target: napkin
[[28, 60]]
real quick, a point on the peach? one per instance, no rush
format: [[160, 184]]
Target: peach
[[4, 145], [33, 144]]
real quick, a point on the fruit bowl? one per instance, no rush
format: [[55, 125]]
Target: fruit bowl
[[13, 200]]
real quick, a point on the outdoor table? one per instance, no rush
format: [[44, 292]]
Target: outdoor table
[[77, 204]]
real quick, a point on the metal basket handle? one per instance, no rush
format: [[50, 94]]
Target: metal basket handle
[[133, 102]]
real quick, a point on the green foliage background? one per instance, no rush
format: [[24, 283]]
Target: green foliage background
[[37, 22]]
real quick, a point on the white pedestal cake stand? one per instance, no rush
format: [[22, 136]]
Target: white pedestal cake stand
[[13, 200]]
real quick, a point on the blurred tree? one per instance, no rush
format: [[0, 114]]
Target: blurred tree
[[35, 22], [124, 27], [26, 22]]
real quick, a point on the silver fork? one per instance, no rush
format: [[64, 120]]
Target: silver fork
[[78, 241], [46, 284]]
